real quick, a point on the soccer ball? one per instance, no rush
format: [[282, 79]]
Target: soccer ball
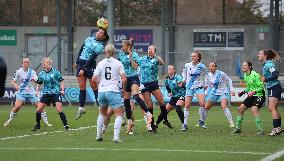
[[102, 23]]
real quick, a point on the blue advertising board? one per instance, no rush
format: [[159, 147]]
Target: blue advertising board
[[72, 95], [142, 37]]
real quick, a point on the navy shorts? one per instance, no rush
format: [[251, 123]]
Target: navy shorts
[[151, 86], [89, 71], [254, 101], [130, 81], [275, 91], [173, 100], [50, 98]]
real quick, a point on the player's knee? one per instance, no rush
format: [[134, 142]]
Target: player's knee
[[241, 110], [201, 104], [59, 109], [207, 107], [254, 113], [108, 115], [273, 110], [15, 109], [162, 103], [39, 110], [169, 108], [187, 107], [94, 86], [82, 86], [149, 104]]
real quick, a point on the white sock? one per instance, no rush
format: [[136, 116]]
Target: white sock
[[186, 115], [200, 111], [145, 119], [204, 114], [81, 108], [100, 122], [148, 113], [44, 117], [117, 126], [129, 121], [104, 127], [228, 114], [12, 115]]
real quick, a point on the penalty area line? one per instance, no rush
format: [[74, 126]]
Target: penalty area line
[[157, 150], [52, 132], [274, 156]]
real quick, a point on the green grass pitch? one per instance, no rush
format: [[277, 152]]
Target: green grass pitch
[[18, 143]]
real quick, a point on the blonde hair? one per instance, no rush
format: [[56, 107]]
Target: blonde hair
[[25, 59], [154, 47], [46, 59], [168, 76], [110, 49]]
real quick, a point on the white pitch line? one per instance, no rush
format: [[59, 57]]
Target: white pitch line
[[158, 150], [52, 132], [274, 156], [24, 136]]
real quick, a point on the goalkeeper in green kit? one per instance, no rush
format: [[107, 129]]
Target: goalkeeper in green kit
[[255, 98]]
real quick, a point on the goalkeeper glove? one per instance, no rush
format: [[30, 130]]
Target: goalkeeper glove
[[241, 93], [251, 93]]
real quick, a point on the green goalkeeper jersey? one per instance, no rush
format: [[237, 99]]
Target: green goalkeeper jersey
[[254, 83]]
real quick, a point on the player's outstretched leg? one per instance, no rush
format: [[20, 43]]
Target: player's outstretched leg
[[82, 99]]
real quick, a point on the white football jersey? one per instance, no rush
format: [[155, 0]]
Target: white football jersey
[[21, 77], [108, 72], [120, 85], [195, 75], [220, 82]]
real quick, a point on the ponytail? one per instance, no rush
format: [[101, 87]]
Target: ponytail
[[271, 54], [250, 65]]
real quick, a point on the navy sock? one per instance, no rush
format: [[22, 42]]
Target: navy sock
[[180, 113], [63, 118], [96, 96], [151, 110], [162, 115], [38, 117], [128, 111], [166, 117], [274, 121], [141, 103], [277, 123], [82, 98]]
